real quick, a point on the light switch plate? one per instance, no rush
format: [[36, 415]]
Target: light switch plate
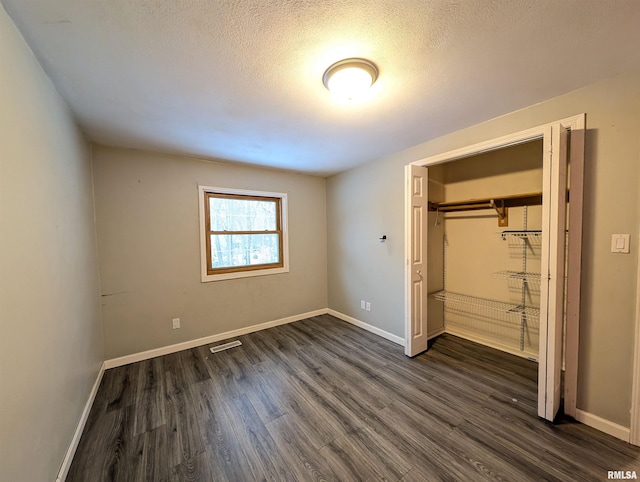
[[620, 243]]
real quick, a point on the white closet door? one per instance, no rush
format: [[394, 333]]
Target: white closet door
[[416, 196], [553, 270]]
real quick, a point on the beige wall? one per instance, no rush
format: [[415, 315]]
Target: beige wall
[[148, 241], [368, 201], [50, 333], [434, 228], [362, 205]]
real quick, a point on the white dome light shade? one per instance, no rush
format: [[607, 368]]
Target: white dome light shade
[[350, 78]]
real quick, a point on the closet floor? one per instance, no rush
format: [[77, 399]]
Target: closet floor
[[320, 399]]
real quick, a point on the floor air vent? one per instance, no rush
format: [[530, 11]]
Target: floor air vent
[[225, 346]]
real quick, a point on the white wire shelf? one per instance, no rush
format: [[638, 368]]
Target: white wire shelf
[[486, 304], [527, 234], [517, 275]]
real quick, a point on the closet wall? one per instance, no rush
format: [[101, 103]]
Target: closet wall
[[477, 260], [435, 253]]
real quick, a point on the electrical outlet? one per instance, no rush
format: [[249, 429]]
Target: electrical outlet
[[362, 304], [368, 306], [176, 323]]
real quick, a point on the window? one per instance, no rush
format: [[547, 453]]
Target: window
[[243, 233]]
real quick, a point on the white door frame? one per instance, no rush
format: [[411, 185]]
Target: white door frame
[[576, 125], [634, 432]]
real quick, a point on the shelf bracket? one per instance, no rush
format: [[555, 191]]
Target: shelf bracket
[[503, 213]]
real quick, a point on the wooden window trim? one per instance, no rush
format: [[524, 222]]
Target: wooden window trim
[[208, 232]]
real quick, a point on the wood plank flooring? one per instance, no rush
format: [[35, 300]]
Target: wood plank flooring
[[322, 400]]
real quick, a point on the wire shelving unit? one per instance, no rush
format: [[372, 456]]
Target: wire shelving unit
[[518, 275], [453, 298]]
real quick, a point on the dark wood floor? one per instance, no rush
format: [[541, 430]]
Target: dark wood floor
[[322, 400]]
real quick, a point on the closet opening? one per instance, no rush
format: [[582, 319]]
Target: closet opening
[[484, 248], [490, 256]]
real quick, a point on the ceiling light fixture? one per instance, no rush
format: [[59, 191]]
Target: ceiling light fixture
[[349, 78]]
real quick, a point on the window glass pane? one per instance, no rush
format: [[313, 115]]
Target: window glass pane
[[242, 214], [231, 250]]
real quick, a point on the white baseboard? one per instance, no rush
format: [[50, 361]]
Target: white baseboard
[[367, 326], [491, 344], [71, 451], [165, 350], [599, 423]]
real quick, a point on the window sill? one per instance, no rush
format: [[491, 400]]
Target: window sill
[[243, 274]]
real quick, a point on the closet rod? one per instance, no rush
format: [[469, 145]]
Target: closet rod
[[515, 200]]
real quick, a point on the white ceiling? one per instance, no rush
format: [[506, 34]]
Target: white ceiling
[[241, 80]]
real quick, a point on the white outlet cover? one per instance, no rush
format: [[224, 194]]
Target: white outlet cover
[[368, 306], [362, 304]]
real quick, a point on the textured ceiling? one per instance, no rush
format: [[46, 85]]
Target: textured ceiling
[[241, 80]]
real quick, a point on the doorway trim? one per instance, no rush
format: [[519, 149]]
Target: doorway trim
[[634, 430], [576, 124]]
